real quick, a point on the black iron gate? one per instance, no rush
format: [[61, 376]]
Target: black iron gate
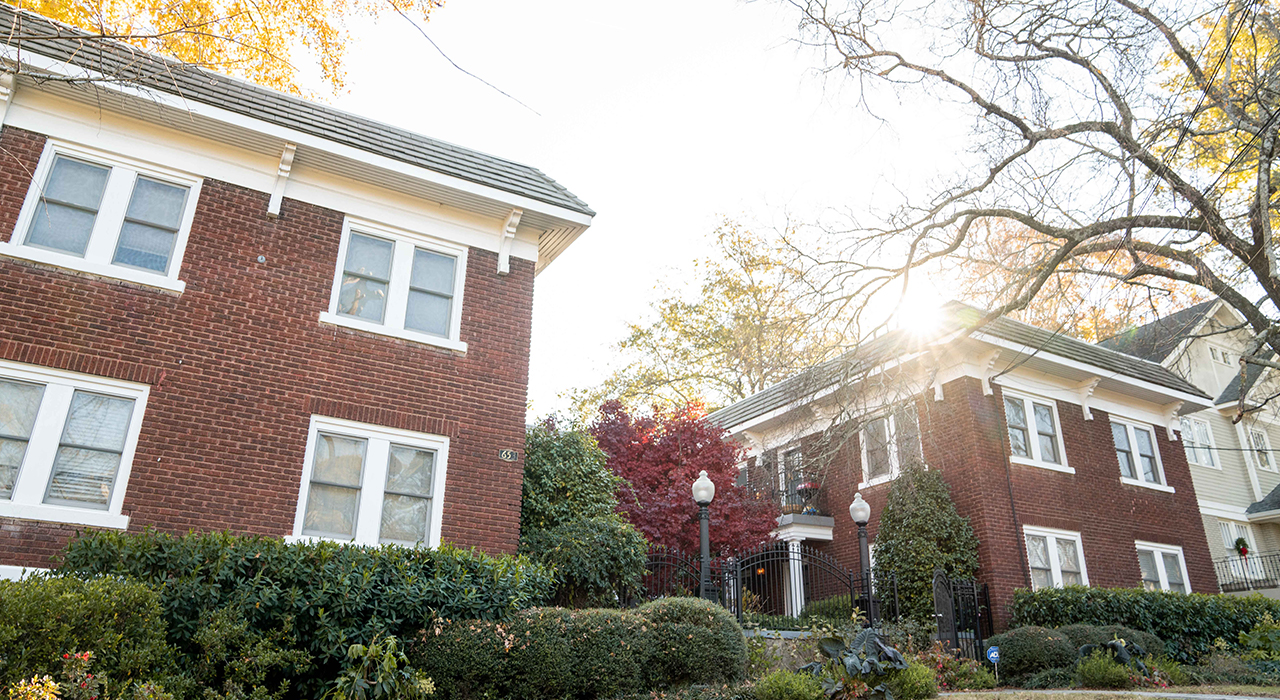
[[963, 612]]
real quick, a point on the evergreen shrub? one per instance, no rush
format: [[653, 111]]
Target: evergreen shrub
[[1188, 623], [1100, 670], [915, 682], [1028, 650], [1080, 635], [789, 685]]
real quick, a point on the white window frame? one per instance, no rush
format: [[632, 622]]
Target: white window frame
[[1033, 437], [1130, 426], [107, 224], [398, 287], [1055, 564], [1270, 465], [895, 460], [1220, 355], [373, 477], [1158, 550], [1212, 447], [27, 500]]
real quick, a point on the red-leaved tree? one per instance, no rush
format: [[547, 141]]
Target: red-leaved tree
[[660, 457]]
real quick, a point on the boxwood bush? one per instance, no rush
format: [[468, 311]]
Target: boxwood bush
[[1080, 635], [43, 617], [552, 653], [1028, 650], [1188, 623], [323, 596]]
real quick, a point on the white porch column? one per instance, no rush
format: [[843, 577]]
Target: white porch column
[[795, 579]]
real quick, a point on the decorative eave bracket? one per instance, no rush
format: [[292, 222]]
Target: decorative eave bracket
[[282, 176], [987, 369], [754, 442], [935, 381], [1171, 418], [7, 87], [506, 239], [1085, 391]]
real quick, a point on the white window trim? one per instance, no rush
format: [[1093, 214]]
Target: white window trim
[[1032, 436], [895, 460], [1266, 442], [1159, 549], [373, 477], [1222, 353], [27, 500], [115, 199], [398, 287], [1129, 426], [1055, 565], [1213, 444]]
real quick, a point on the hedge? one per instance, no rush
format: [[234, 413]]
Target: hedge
[[325, 596], [1031, 649], [1188, 623], [553, 653], [43, 617]]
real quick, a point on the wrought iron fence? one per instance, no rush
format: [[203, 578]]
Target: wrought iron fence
[[963, 613], [1254, 572]]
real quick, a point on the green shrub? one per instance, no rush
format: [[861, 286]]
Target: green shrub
[[920, 531], [1047, 679], [909, 636], [1174, 671], [1027, 650], [597, 561], [788, 685], [696, 692], [1263, 641], [837, 609], [233, 661], [1099, 670], [43, 617], [955, 672], [324, 595], [1189, 623], [553, 653], [380, 670], [566, 477], [915, 682], [1080, 635], [1220, 668]]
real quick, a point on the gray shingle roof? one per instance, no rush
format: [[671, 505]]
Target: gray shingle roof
[[956, 316], [1269, 502], [1231, 393], [1157, 339], [151, 72]]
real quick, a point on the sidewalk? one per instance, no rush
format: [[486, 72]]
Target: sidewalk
[[1123, 693]]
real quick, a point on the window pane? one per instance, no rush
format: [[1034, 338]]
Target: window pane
[[1047, 432], [1259, 440], [1124, 453], [331, 511], [432, 272], [409, 471], [19, 403], [144, 246], [1072, 578], [1203, 454], [83, 476], [370, 257], [1146, 454], [362, 298], [428, 312], [11, 454], [1147, 563], [1228, 539], [97, 421], [1068, 558], [1016, 416], [877, 436], [405, 518], [76, 183], [1038, 552], [1173, 572], [339, 460], [1189, 440], [157, 203], [1041, 578], [61, 228], [907, 434]]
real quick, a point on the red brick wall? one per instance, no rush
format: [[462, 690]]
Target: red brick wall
[[239, 362], [964, 437]]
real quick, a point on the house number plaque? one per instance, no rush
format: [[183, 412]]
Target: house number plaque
[[507, 455]]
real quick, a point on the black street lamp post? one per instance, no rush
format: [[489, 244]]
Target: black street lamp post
[[703, 491], [860, 511]]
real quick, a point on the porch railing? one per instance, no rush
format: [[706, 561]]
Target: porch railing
[[1254, 572]]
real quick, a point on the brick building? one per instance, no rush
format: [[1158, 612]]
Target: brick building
[[223, 307], [1063, 455]]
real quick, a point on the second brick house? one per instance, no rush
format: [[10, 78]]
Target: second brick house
[[223, 307], [1064, 456]]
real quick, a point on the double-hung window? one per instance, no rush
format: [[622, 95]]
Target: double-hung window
[[1137, 453], [1162, 566], [1221, 356], [1261, 446], [66, 444], [398, 283], [99, 213], [371, 485], [1197, 440], [1034, 435], [1055, 557], [888, 443]]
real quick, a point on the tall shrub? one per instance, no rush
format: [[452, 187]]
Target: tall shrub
[[568, 519], [920, 531]]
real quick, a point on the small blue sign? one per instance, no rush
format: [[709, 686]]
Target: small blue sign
[[993, 654]]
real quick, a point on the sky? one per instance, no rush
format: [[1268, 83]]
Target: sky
[[665, 117]]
